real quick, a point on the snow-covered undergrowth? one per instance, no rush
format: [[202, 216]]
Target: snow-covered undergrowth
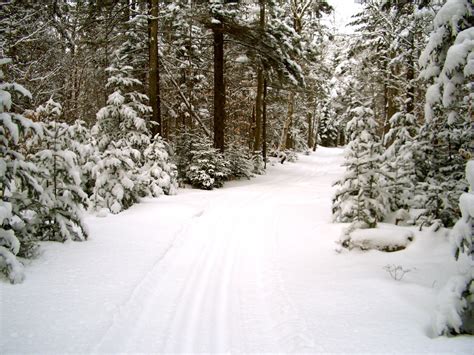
[[251, 267], [388, 238]]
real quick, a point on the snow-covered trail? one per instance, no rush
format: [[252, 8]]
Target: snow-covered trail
[[219, 288], [247, 268]]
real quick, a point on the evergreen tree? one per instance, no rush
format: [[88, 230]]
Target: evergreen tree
[[62, 219], [200, 164], [21, 193], [121, 133], [84, 146], [361, 199], [455, 315], [399, 162], [124, 171], [447, 66], [240, 163], [159, 174]]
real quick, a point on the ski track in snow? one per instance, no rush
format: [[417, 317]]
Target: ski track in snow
[[229, 297], [249, 268]]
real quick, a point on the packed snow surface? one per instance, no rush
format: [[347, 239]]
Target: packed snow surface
[[251, 267]]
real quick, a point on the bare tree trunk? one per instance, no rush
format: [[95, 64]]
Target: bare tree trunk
[[287, 123], [264, 126], [258, 111], [317, 118], [252, 128], [310, 130], [260, 79], [154, 76], [219, 90]]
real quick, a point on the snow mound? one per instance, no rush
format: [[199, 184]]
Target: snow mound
[[103, 212], [385, 239]]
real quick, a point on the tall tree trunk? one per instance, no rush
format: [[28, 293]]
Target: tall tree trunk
[[287, 123], [410, 78], [219, 90], [258, 111], [317, 125], [260, 79], [154, 76], [309, 117], [264, 126]]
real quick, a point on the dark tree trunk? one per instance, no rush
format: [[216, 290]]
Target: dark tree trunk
[[264, 125], [258, 111], [260, 79], [154, 75], [219, 90]]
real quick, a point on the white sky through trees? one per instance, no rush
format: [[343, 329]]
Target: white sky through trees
[[343, 10]]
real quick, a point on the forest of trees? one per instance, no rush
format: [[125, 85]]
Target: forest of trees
[[105, 102]]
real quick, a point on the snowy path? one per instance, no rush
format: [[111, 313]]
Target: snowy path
[[247, 268]]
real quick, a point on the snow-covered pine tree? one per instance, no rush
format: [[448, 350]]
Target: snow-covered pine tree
[[447, 65], [124, 117], [87, 154], [455, 313], [21, 193], [121, 135], [159, 174], [122, 172], [240, 163], [199, 164], [399, 162], [360, 197], [62, 219]]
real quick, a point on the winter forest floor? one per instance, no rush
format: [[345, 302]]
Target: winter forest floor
[[251, 267]]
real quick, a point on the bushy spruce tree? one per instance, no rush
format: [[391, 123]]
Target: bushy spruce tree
[[21, 194], [130, 164], [61, 219], [447, 66], [399, 160], [240, 163], [199, 163], [84, 146], [121, 133], [360, 197], [159, 174], [455, 313]]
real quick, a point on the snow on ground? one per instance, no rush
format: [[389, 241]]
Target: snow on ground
[[251, 267]]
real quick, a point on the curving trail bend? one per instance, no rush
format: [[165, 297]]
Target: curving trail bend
[[218, 288]]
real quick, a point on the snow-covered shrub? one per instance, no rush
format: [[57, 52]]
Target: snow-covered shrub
[[360, 197], [87, 154], [130, 166], [199, 164], [398, 160], [258, 163], [61, 219], [240, 164], [455, 312], [117, 182], [388, 240], [291, 156], [159, 174], [124, 116], [21, 194]]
